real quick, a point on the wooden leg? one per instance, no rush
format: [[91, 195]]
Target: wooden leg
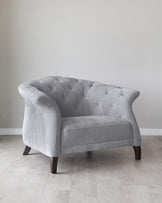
[[26, 150], [89, 153], [54, 161], [137, 151]]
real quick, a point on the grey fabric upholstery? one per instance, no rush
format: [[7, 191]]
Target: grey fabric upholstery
[[64, 115], [91, 130]]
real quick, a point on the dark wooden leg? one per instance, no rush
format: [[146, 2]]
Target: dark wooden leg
[[26, 150], [54, 161], [89, 153], [137, 151]]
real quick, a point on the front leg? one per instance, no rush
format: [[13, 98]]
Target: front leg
[[26, 150], [137, 151], [54, 161]]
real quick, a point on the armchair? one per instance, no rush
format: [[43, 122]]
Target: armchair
[[67, 115]]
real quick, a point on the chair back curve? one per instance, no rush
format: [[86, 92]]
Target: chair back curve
[[76, 97]]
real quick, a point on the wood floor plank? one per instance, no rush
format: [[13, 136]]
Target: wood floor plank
[[52, 196], [84, 178]]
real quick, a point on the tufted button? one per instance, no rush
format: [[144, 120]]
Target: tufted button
[[75, 106], [111, 106], [121, 93], [63, 97]]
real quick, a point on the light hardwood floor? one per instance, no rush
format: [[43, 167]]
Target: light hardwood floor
[[106, 176]]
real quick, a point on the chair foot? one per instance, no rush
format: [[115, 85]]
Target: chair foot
[[26, 150], [137, 151], [54, 161], [89, 153]]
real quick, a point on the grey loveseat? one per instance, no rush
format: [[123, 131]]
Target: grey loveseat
[[67, 115]]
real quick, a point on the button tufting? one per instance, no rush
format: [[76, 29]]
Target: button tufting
[[69, 87], [75, 106], [121, 93], [63, 97], [76, 95]]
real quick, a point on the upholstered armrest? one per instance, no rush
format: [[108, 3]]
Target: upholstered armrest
[[33, 94], [129, 94], [42, 121], [121, 100]]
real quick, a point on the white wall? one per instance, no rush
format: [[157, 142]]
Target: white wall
[[112, 41], [4, 64]]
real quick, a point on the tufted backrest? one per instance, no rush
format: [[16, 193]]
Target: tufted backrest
[[77, 97]]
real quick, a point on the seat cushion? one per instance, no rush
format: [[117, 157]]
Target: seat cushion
[[78, 132]]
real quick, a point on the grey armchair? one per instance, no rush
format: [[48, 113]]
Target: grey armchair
[[67, 115]]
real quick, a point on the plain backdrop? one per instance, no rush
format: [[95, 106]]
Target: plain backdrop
[[111, 41]]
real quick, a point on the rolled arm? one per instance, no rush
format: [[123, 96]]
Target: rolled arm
[[122, 99], [42, 121]]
